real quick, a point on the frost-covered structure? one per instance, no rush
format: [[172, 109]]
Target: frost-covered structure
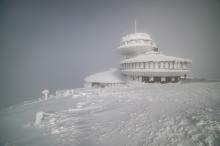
[[143, 62], [108, 78]]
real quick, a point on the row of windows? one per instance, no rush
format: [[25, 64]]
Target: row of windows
[[154, 65], [147, 79], [137, 42]]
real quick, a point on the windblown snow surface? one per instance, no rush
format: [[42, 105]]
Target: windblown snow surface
[[182, 114]]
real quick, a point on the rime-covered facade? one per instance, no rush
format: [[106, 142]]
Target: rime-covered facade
[[143, 62]]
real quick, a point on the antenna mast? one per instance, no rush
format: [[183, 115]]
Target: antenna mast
[[135, 26]]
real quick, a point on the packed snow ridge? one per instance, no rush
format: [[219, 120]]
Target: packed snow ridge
[[181, 114]]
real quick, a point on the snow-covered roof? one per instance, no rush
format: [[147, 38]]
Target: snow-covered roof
[[136, 36], [110, 76], [154, 56]]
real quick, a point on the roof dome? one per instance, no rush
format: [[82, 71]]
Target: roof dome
[[136, 43], [136, 36]]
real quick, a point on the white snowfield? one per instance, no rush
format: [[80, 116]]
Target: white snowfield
[[182, 114]]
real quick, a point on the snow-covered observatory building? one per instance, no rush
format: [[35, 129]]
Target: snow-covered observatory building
[[143, 62]]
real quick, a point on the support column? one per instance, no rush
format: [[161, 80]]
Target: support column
[[151, 79], [175, 65], [163, 79], [140, 78], [147, 65], [173, 79], [166, 64]]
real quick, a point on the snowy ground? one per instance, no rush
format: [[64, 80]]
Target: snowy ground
[[182, 114]]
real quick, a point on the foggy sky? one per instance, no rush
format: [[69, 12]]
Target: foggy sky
[[54, 44]]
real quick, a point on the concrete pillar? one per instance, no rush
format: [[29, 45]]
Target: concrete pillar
[[184, 65], [173, 79], [178, 65], [161, 65], [147, 65], [141, 65], [140, 79], [175, 65], [166, 64], [151, 79], [171, 65], [163, 79]]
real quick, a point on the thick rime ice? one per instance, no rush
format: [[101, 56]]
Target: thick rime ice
[[182, 114], [143, 62]]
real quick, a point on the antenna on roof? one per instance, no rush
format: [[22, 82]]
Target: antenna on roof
[[135, 26]]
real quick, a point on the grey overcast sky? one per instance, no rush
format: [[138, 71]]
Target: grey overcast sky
[[54, 44]]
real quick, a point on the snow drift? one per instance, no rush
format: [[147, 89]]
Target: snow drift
[[182, 114]]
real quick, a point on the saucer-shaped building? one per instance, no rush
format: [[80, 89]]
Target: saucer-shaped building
[[143, 62]]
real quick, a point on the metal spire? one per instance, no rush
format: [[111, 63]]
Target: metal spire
[[135, 26]]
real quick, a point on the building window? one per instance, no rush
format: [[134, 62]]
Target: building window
[[166, 64], [142, 65], [156, 64], [147, 65], [151, 65], [161, 64], [175, 65], [184, 65]]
